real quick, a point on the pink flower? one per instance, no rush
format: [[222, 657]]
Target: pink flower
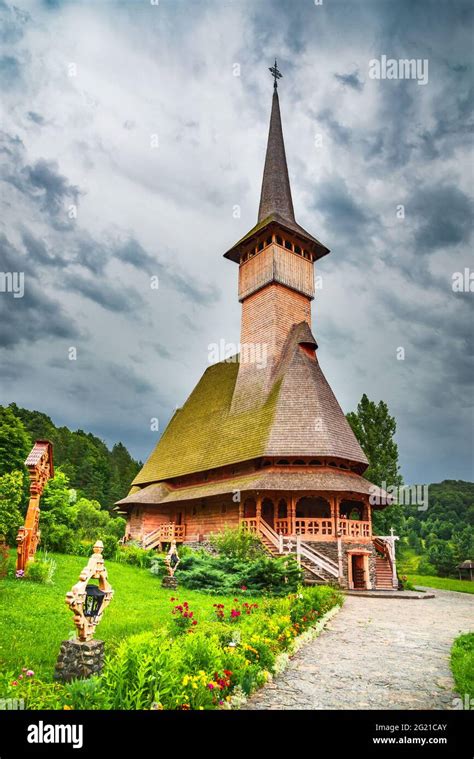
[[30, 673], [210, 686], [14, 682]]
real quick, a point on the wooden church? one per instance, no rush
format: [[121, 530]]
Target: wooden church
[[264, 443]]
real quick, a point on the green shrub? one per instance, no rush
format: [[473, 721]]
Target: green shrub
[[462, 664], [225, 574], [133, 554], [237, 543], [41, 570]]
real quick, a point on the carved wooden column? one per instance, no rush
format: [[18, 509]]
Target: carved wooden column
[[369, 516], [292, 520], [258, 511]]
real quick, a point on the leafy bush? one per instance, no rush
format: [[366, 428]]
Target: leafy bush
[[462, 664], [11, 494], [41, 570], [200, 570], [237, 543], [134, 555]]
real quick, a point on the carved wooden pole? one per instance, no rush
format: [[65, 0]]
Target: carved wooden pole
[[40, 469]]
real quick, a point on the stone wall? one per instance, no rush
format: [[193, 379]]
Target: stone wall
[[79, 660]]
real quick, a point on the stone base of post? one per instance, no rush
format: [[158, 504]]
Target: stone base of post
[[169, 582], [79, 660]]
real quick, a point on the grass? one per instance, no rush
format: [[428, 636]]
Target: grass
[[462, 664], [35, 618], [442, 583], [407, 560]]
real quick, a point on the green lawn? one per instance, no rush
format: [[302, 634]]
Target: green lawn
[[442, 583], [35, 619], [462, 664]]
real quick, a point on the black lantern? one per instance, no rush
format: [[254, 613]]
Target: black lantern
[[93, 602]]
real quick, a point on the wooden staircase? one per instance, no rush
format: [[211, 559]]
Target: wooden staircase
[[383, 574], [318, 569]]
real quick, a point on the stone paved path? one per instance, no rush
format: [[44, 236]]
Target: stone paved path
[[376, 654]]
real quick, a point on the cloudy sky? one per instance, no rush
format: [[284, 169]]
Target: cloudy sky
[[130, 131]]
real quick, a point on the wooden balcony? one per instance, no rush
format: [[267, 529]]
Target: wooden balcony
[[164, 533], [315, 529], [352, 529]]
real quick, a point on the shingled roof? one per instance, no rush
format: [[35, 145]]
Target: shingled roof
[[276, 204], [299, 417], [339, 481]]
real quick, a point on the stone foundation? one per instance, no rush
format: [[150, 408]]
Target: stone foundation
[[79, 660], [169, 582], [330, 549]]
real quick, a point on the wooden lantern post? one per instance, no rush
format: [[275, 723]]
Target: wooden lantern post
[[40, 469], [83, 657], [80, 598]]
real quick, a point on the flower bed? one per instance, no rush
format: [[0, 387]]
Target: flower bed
[[190, 664]]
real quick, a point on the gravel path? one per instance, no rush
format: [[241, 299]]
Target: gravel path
[[376, 654]]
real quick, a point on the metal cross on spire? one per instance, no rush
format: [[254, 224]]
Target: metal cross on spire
[[275, 74]]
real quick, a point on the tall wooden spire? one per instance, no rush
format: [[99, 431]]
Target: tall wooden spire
[[275, 197]]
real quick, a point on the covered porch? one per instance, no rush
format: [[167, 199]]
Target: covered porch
[[317, 517]]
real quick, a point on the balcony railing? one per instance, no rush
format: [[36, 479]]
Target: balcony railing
[[309, 527], [354, 528], [314, 529], [282, 526], [250, 524], [164, 533]]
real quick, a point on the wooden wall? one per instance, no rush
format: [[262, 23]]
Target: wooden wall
[[201, 517]]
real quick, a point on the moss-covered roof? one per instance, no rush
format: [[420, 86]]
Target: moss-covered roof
[[299, 417], [203, 434]]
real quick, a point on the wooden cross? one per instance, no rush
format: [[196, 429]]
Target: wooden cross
[[276, 74]]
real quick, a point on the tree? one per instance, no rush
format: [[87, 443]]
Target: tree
[[374, 428], [11, 493], [15, 443]]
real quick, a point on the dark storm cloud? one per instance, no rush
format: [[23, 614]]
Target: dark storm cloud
[[34, 316], [39, 253], [10, 71], [41, 182], [340, 209], [350, 80], [443, 216], [12, 23], [36, 117], [133, 253], [112, 296], [337, 131]]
